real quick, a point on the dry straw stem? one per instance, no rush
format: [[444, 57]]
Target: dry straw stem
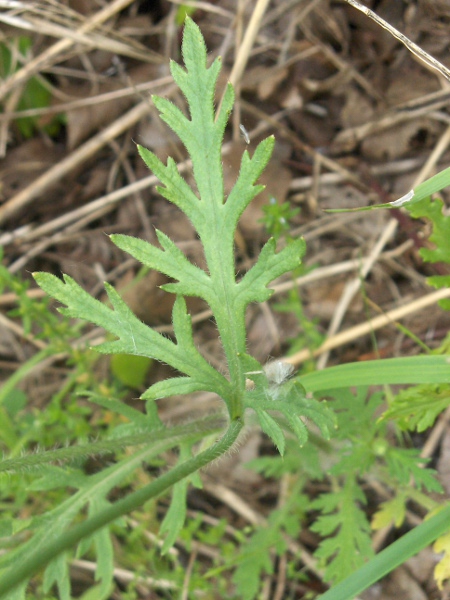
[[352, 286], [412, 47], [248, 41], [103, 42], [125, 576], [48, 56], [63, 107], [368, 326]]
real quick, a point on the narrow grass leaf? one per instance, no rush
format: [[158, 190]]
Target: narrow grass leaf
[[408, 370]]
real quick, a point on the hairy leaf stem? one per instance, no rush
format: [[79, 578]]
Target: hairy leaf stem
[[29, 566], [33, 462]]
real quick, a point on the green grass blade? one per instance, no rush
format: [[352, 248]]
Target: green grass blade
[[431, 186], [408, 370]]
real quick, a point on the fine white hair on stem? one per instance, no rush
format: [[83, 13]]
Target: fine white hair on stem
[[278, 372]]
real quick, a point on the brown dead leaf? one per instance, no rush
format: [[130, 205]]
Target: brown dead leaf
[[148, 301], [262, 80], [24, 163], [271, 82], [401, 140], [324, 297], [357, 110], [409, 81], [85, 120]]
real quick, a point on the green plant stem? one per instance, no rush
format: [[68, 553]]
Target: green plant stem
[[233, 348], [20, 572], [387, 560], [16, 464], [230, 320]]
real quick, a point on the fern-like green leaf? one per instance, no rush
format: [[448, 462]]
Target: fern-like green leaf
[[244, 189], [255, 557], [391, 512], [417, 408], [175, 188], [350, 546], [406, 463], [440, 236]]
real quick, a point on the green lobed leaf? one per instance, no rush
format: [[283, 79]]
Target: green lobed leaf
[[290, 400], [272, 429], [173, 386], [244, 189], [171, 261], [134, 337], [57, 572], [440, 237], [270, 264], [391, 512], [255, 556], [298, 427], [202, 134], [355, 412], [215, 221], [317, 411], [418, 407], [130, 413], [176, 189]]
